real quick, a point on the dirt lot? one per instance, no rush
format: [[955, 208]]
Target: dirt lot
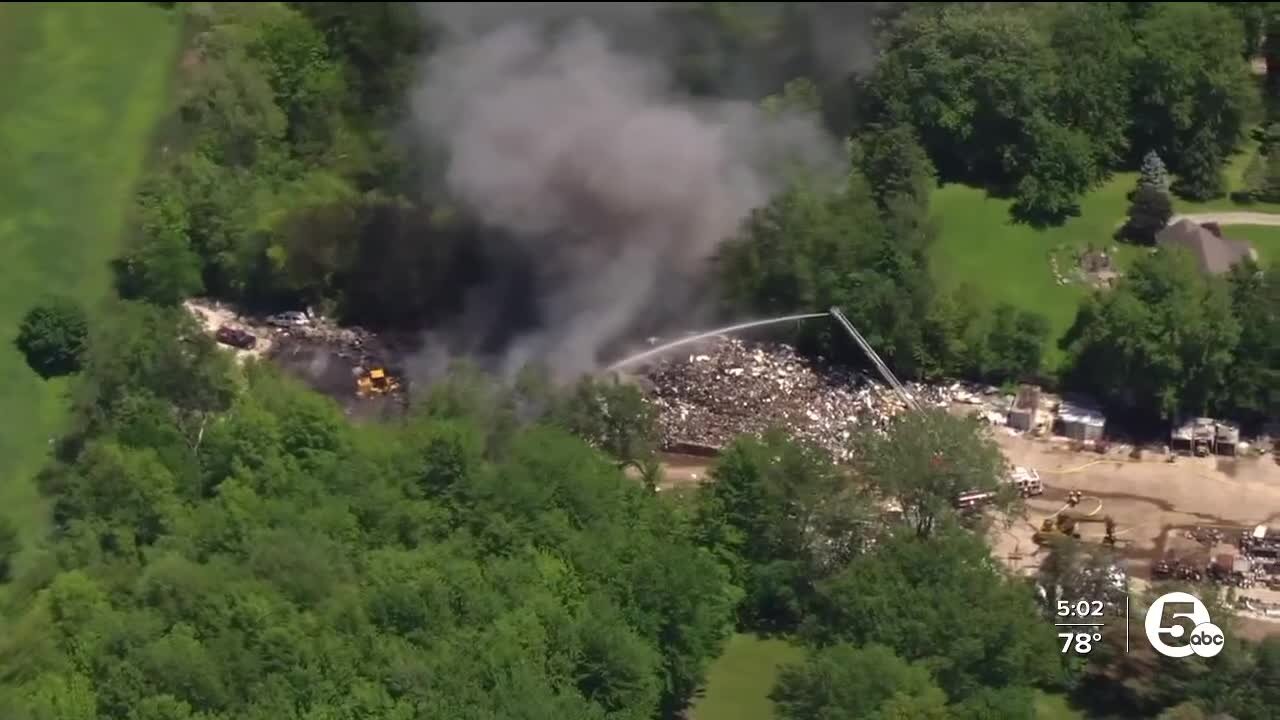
[[321, 354], [213, 315], [1152, 501]]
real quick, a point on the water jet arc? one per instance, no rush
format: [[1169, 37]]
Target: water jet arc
[[710, 333]]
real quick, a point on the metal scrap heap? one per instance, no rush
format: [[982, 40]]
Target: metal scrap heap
[[730, 387]]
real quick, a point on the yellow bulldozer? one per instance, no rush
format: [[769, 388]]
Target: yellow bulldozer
[[1065, 523], [376, 382]]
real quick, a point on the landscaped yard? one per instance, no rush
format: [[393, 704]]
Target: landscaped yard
[[980, 245], [739, 681], [1265, 239], [82, 87]]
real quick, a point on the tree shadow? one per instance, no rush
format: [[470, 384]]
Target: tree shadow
[[1040, 219]]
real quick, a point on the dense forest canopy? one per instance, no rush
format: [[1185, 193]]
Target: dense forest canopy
[[227, 544]]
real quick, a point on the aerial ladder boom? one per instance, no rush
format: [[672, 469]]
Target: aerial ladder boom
[[883, 369]]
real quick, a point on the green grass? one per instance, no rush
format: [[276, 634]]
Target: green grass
[[739, 681], [1265, 239], [980, 245], [1055, 707], [81, 88]]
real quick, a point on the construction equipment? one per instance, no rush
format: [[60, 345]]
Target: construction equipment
[[1065, 523], [376, 383]]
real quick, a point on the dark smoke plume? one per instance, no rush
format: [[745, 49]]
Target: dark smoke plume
[[607, 189]]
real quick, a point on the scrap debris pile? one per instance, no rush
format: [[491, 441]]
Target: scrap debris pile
[[730, 387]]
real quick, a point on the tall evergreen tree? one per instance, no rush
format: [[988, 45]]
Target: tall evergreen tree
[[1201, 177], [1149, 212], [1154, 174]]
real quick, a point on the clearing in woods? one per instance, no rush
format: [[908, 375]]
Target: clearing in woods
[[739, 681], [81, 89], [1000, 260]]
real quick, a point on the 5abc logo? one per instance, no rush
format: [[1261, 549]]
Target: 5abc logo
[[1206, 639]]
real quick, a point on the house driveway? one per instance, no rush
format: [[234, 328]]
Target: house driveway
[[1231, 218]]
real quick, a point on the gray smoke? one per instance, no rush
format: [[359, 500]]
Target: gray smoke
[[612, 189]]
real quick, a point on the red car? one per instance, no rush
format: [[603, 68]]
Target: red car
[[235, 337]]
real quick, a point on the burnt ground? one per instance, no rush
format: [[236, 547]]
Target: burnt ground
[[331, 368]]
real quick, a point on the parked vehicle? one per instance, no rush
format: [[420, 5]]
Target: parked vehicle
[[235, 337], [290, 318], [1027, 480]]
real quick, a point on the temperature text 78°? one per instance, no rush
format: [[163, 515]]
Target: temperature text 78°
[[1081, 642]]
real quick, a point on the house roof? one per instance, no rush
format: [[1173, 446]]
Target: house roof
[[1213, 253]]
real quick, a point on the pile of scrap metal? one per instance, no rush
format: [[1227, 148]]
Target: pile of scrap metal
[[731, 387], [1260, 542], [1177, 570]]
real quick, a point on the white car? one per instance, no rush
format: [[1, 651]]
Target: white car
[[291, 318]]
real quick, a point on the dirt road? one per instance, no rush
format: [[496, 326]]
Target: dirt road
[[1231, 218], [213, 315]]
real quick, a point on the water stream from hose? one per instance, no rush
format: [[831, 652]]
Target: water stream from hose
[[710, 333]]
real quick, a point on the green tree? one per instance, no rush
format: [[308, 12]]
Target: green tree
[[161, 269], [1009, 703], [10, 545], [1095, 54], [925, 460], [1015, 345], [231, 105], [897, 168], [1149, 213], [814, 249], [379, 42], [1254, 390], [611, 416], [868, 682], [1262, 176], [1160, 344], [128, 488], [308, 84], [944, 603], [970, 80], [1192, 92], [1153, 173], [53, 336], [1059, 167], [782, 516], [1200, 175], [60, 697]]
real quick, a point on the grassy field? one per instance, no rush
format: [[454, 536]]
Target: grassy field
[[83, 86], [1055, 707], [979, 245], [739, 681], [1265, 239]]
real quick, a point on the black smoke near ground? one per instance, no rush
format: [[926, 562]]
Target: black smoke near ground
[[603, 189]]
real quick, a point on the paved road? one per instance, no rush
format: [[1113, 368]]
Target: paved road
[[1231, 218]]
